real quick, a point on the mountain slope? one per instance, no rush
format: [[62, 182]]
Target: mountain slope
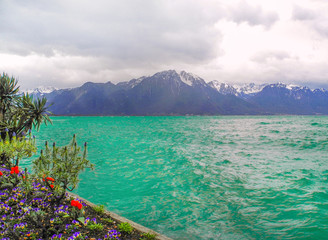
[[181, 93], [164, 93], [283, 99]]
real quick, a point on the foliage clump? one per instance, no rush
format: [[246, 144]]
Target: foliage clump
[[148, 236], [99, 209], [125, 227]]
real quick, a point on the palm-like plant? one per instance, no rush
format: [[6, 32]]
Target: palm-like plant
[[36, 111], [19, 113], [8, 93]]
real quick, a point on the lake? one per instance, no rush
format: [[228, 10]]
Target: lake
[[200, 177]]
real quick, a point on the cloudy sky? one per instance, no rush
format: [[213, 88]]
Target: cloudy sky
[[65, 43]]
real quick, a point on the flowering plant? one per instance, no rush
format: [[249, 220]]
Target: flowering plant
[[14, 170], [76, 204]]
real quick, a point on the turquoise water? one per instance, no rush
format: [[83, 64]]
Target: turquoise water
[[207, 177]]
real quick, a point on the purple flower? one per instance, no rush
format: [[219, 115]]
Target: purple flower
[[113, 234]]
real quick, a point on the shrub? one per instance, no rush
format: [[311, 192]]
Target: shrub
[[108, 220], [99, 209], [95, 227], [148, 236], [125, 227], [16, 149], [63, 165]]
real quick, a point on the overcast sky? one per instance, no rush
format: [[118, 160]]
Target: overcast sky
[[65, 43]]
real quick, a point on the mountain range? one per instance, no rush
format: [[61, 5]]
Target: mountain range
[[181, 93]]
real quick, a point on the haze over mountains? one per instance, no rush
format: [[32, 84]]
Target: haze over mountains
[[181, 93]]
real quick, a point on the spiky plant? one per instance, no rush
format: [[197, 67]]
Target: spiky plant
[[63, 164]]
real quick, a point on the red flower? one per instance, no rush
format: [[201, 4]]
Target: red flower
[[52, 186], [14, 170], [1, 173], [73, 203], [50, 179], [77, 204]]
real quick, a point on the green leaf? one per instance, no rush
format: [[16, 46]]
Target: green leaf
[[81, 220]]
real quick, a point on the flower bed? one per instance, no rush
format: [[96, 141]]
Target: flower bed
[[36, 214]]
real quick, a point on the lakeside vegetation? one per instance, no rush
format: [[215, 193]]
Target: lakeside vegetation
[[36, 205]]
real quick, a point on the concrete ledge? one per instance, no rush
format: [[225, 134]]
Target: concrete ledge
[[122, 219]]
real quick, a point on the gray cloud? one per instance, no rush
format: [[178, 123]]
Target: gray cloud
[[321, 27], [253, 15], [67, 42], [81, 40], [270, 56], [138, 30], [274, 66], [303, 14], [315, 19]]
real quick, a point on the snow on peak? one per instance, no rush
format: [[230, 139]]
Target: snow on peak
[[322, 90], [191, 79], [249, 88], [292, 86], [40, 90], [135, 82], [223, 88]]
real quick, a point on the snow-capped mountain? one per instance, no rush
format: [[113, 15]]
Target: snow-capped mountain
[[244, 91], [132, 83], [298, 92], [223, 88], [40, 90], [165, 93], [191, 79], [281, 98], [179, 93], [249, 89]]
